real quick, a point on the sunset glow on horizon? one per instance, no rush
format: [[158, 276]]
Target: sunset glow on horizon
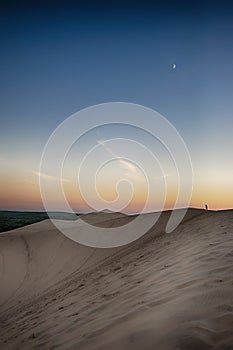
[[175, 60]]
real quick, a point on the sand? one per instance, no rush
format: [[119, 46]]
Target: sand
[[164, 291]]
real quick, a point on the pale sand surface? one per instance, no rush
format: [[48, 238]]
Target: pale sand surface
[[164, 291]]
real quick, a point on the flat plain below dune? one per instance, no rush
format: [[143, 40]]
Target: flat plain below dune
[[163, 291]]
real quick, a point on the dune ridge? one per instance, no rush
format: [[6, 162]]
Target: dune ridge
[[164, 291]]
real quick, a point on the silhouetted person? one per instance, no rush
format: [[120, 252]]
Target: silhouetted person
[[206, 207]]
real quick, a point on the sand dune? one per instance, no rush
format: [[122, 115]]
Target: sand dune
[[164, 291]]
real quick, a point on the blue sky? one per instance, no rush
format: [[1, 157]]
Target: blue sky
[[57, 58]]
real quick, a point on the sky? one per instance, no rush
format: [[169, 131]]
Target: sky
[[58, 58]]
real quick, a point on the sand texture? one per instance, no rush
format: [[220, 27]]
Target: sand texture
[[164, 291]]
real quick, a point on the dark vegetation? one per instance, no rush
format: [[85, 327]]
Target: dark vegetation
[[9, 220]]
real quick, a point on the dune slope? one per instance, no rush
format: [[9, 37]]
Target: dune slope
[[164, 291]]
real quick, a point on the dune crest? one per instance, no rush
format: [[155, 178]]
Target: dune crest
[[164, 291]]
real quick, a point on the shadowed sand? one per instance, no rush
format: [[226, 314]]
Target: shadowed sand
[[164, 291]]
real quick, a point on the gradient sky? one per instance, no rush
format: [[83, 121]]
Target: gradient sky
[[60, 57]]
